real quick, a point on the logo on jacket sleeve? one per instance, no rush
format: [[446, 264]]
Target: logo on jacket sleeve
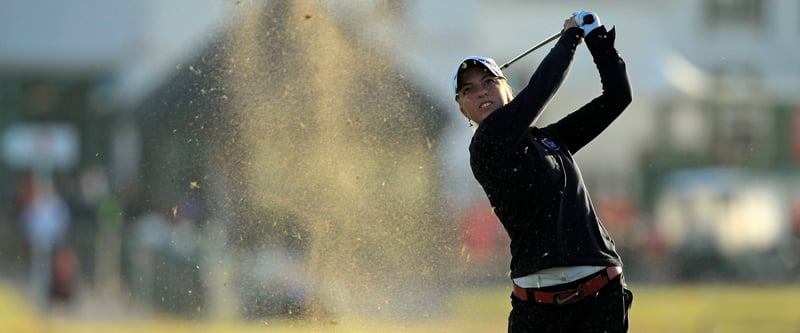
[[550, 144]]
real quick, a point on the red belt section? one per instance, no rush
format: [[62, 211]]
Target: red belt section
[[589, 287]]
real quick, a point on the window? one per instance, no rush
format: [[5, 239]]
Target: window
[[734, 12]]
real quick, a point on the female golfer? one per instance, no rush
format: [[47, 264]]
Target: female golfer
[[567, 275]]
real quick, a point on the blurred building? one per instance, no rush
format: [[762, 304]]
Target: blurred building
[[68, 68]]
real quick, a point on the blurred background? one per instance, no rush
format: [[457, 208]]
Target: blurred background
[[251, 160]]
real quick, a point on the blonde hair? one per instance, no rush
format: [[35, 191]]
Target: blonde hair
[[508, 87]]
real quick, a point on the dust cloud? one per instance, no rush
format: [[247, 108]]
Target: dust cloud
[[331, 191]]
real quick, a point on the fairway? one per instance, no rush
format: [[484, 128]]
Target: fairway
[[689, 308]]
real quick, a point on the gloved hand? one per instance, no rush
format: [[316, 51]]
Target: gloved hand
[[587, 21]]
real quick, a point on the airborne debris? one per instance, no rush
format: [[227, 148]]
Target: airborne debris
[[426, 270], [196, 71]]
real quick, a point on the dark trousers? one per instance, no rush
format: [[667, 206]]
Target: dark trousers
[[605, 311]]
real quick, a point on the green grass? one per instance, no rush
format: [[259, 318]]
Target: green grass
[[716, 309], [674, 308]]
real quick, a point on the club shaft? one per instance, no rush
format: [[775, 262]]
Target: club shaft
[[534, 48]]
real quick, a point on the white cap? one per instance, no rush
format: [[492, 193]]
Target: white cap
[[489, 63]]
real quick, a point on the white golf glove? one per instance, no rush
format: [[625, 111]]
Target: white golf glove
[[587, 21]]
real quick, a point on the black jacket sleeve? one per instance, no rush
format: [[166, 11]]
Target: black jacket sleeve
[[581, 126]]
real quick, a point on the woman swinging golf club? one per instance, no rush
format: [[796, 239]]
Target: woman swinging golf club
[[567, 275]]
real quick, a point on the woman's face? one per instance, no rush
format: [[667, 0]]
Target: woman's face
[[481, 93]]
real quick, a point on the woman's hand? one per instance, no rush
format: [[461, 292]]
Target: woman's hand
[[569, 23]]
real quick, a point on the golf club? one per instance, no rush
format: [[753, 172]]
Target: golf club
[[534, 48], [588, 19]]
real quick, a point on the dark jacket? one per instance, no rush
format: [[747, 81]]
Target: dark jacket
[[529, 174]]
